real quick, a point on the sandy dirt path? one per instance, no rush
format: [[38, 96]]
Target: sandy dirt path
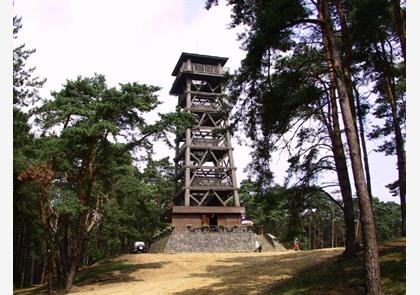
[[202, 273]]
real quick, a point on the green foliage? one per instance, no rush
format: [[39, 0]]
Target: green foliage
[[295, 212], [382, 58], [25, 85], [160, 234], [98, 201], [284, 212], [65, 202], [27, 230], [282, 82], [388, 225], [136, 210]]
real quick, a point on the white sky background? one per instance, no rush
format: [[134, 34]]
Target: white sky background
[[141, 41]]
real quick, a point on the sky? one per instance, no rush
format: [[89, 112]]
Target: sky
[[141, 41]]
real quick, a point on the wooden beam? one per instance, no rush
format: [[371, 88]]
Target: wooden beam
[[208, 209]]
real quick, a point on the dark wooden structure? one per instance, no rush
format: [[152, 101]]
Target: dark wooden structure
[[206, 190]]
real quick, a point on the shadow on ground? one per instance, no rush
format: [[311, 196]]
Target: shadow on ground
[[112, 272], [251, 275], [107, 272], [313, 272]]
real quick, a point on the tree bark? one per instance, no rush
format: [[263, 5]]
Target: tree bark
[[49, 237], [399, 140], [401, 162], [50, 267], [344, 182], [16, 253], [400, 25], [44, 267], [371, 261], [25, 251], [346, 56], [70, 275], [31, 274], [310, 231], [340, 161], [332, 228], [20, 254], [363, 143]]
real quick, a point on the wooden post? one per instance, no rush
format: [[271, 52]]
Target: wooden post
[[332, 228], [231, 162], [189, 65], [188, 147], [233, 170], [310, 231]]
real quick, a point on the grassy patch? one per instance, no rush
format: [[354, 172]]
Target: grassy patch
[[347, 276]]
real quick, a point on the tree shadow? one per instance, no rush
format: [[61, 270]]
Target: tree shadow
[[113, 272], [252, 275], [103, 273]]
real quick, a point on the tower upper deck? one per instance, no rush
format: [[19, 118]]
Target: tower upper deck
[[196, 66]]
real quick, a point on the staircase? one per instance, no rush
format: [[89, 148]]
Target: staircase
[[269, 243], [159, 246]]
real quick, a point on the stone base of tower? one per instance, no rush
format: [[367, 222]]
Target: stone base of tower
[[195, 216], [210, 242], [209, 230]]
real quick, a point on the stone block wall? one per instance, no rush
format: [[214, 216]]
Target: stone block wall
[[210, 242]]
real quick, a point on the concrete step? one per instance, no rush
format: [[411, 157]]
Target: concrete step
[[267, 246], [159, 246]]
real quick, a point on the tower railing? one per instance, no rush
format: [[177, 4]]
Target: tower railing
[[201, 68], [203, 181], [209, 142], [206, 142], [205, 106]]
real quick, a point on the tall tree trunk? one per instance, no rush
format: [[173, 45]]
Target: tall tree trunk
[[346, 55], [50, 266], [401, 162], [71, 273], [49, 238], [399, 24], [19, 253], [332, 228], [340, 161], [399, 140], [75, 257], [371, 261], [44, 268], [31, 274], [363, 143], [77, 249], [310, 232], [23, 267], [344, 182]]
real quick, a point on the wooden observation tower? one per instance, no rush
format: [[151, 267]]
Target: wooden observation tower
[[206, 190]]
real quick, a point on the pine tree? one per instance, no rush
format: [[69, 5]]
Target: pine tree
[[279, 28], [90, 131], [27, 237]]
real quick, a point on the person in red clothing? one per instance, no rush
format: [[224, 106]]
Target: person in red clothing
[[296, 245]]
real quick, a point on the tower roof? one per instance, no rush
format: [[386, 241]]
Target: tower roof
[[198, 58]]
